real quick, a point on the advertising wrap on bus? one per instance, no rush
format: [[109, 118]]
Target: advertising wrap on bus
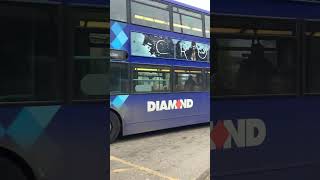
[[148, 45]]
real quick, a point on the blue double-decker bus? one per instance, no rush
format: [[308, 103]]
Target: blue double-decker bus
[[54, 90], [265, 91], [159, 66]]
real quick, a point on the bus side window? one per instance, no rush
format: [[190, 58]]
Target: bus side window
[[255, 68], [313, 44], [119, 10], [187, 22], [150, 13], [151, 79], [119, 78], [189, 80], [31, 69]]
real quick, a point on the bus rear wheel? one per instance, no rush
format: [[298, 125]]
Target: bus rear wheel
[[10, 170], [114, 127]]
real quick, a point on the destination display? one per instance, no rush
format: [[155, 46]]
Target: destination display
[[149, 45]]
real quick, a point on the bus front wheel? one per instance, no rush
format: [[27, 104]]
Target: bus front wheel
[[11, 171], [114, 127]]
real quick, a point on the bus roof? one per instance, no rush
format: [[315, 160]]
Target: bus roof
[[303, 9], [189, 6]]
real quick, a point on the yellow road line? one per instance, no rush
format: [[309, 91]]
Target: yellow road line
[[121, 170], [141, 168]]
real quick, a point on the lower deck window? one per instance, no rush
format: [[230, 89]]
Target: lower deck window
[[189, 80], [254, 67], [30, 68], [151, 79]]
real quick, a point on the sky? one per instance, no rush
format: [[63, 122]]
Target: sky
[[203, 4]]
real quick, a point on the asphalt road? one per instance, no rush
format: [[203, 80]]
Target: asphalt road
[[175, 154]]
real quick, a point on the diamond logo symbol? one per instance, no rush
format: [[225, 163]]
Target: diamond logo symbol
[[219, 134]]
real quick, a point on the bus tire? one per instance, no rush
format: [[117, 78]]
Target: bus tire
[[115, 127], [10, 170]]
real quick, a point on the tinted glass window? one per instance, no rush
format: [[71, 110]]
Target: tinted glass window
[[119, 78], [90, 60], [207, 26], [151, 79], [253, 67], [313, 57], [150, 13], [189, 80], [187, 22], [30, 68], [118, 10]]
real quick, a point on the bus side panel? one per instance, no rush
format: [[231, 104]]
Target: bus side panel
[[85, 144], [58, 141], [138, 117], [291, 139]]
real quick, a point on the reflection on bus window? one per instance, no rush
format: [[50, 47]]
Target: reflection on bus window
[[207, 26], [149, 79], [119, 78], [91, 63], [189, 80], [262, 68], [155, 15], [187, 22], [119, 10]]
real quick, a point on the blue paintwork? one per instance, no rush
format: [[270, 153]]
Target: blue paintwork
[[291, 148], [136, 119], [58, 141]]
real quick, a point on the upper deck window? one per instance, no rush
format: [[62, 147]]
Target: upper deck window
[[187, 22], [119, 10], [207, 26], [150, 13]]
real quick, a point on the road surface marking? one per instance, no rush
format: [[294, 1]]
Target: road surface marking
[[121, 170], [141, 168]]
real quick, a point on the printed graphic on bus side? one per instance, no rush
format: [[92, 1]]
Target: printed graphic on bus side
[[246, 133], [169, 105]]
